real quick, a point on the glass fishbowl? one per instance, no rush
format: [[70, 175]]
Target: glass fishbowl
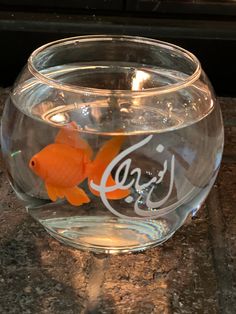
[[112, 141]]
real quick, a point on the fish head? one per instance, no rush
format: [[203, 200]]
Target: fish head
[[36, 165]]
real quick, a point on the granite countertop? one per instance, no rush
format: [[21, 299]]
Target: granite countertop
[[193, 272]]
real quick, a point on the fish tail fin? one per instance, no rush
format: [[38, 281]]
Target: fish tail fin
[[108, 151], [105, 155], [112, 195], [76, 196]]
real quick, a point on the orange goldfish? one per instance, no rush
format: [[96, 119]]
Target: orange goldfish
[[66, 163]]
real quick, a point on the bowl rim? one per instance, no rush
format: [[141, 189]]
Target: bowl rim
[[190, 79]]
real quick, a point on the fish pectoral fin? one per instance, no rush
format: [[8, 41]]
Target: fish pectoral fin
[[76, 196], [69, 135], [54, 192], [60, 192]]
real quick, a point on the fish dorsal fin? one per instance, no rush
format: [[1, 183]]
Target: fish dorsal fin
[[69, 135]]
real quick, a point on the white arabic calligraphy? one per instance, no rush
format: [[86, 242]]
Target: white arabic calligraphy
[[121, 176]]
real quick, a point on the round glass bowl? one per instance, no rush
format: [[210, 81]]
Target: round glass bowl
[[112, 141]]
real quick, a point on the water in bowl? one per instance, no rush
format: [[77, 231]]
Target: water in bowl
[[169, 157]]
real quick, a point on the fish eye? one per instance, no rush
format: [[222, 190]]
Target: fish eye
[[33, 163]]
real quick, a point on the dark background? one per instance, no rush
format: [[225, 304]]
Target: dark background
[[206, 28]]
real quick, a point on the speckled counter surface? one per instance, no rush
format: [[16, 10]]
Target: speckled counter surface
[[193, 272]]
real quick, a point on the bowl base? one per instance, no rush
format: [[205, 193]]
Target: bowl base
[[108, 235]]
